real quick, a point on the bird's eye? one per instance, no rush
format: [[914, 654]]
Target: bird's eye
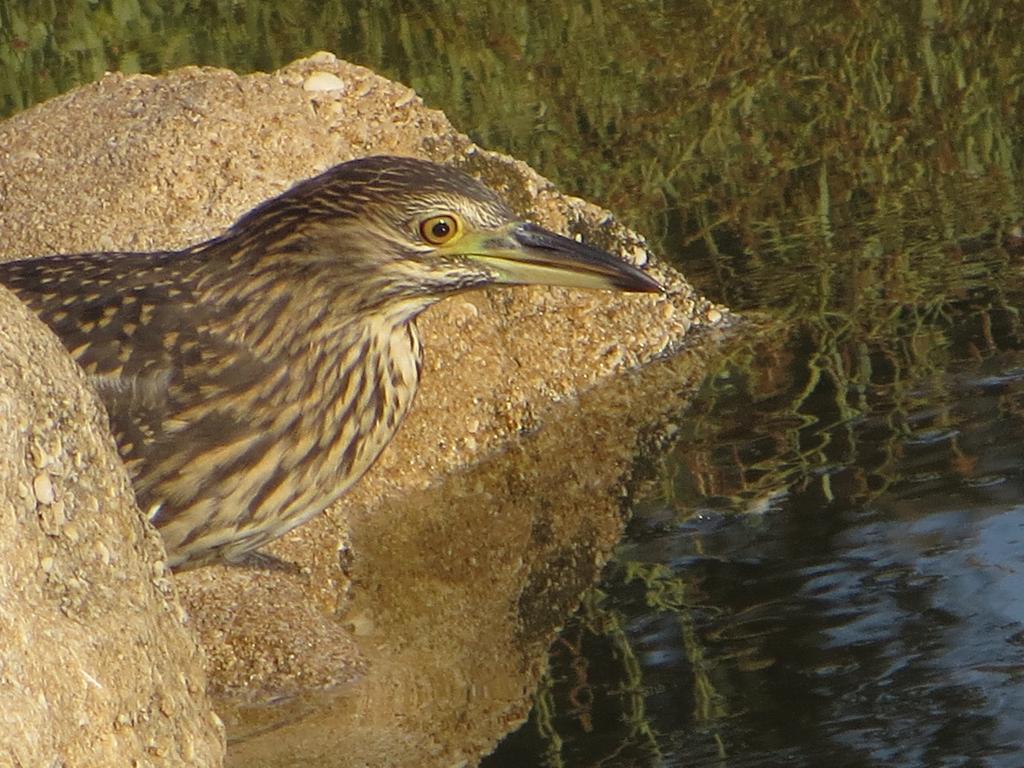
[[440, 230]]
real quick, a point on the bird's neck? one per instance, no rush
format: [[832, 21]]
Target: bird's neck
[[284, 301], [365, 379], [352, 370]]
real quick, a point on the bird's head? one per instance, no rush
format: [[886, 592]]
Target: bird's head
[[411, 230]]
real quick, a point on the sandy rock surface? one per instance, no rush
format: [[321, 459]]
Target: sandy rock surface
[[451, 545], [98, 666]]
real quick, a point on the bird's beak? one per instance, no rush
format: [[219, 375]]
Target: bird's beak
[[530, 255]]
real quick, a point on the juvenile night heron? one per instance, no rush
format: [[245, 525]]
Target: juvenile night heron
[[252, 379]]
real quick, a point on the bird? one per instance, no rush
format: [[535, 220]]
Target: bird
[[252, 379]]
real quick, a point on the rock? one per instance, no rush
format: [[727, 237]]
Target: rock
[[426, 564], [98, 665], [323, 81]]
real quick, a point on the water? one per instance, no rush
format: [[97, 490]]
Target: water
[[889, 634], [825, 565], [823, 576]]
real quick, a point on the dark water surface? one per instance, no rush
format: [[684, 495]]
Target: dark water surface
[[826, 566], [851, 596]]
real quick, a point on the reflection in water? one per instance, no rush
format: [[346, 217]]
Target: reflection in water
[[460, 587], [864, 610]]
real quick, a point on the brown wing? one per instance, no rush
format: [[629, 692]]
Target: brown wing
[[154, 352]]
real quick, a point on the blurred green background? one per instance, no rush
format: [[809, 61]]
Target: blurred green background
[[683, 115]]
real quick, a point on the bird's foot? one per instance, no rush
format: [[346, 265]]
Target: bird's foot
[[261, 561]]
